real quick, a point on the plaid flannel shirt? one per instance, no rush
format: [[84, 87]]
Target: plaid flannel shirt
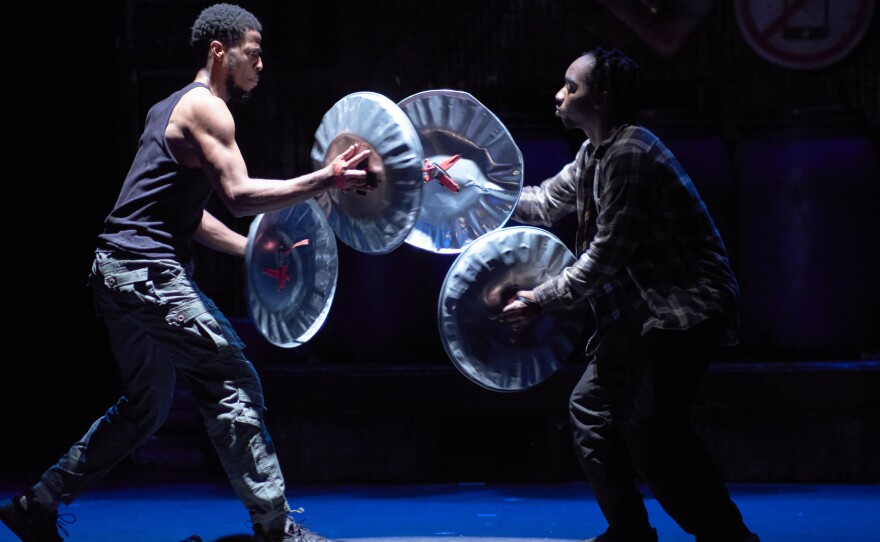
[[646, 244]]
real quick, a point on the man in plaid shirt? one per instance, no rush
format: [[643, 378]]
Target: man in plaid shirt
[[655, 270]]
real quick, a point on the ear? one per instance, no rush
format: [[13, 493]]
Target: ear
[[217, 51], [601, 100]]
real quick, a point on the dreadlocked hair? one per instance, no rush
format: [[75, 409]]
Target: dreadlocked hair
[[621, 77]]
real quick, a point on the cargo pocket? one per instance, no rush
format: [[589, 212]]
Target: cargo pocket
[[134, 284], [249, 409], [202, 318]]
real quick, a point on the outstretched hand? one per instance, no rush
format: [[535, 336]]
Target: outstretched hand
[[344, 169]]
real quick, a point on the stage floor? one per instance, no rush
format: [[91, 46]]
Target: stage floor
[[170, 511]]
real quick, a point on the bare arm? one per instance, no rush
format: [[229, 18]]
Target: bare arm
[[216, 235], [208, 129]]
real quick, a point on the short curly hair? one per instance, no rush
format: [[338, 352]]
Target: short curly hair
[[226, 23], [621, 77]]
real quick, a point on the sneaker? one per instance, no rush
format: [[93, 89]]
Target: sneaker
[[31, 522], [294, 532]]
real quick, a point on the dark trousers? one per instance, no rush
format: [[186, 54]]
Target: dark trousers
[[630, 416]]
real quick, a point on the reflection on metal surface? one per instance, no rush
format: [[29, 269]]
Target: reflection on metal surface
[[291, 265], [481, 280], [377, 221], [489, 172]]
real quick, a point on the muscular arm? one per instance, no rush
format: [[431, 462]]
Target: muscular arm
[[216, 235], [208, 139]]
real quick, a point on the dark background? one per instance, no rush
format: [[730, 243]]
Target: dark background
[[785, 158]]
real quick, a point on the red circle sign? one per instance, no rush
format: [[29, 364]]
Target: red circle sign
[[803, 34]]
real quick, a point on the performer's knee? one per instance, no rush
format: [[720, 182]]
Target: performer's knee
[[148, 412]]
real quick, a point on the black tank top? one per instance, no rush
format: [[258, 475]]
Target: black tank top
[[161, 201]]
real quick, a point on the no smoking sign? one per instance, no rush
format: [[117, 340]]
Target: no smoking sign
[[804, 34]]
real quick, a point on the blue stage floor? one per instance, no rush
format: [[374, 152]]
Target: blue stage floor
[[171, 511]]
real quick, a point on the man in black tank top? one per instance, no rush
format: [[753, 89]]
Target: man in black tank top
[[159, 323]]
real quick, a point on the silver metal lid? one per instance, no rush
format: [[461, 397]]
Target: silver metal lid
[[377, 221], [291, 266], [489, 171], [479, 284]]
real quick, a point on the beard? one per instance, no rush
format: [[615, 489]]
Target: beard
[[236, 92]]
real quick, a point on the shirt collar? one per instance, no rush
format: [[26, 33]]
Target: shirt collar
[[599, 152]]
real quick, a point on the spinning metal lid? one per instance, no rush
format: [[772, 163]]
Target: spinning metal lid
[[489, 172], [477, 287], [377, 221], [291, 265]]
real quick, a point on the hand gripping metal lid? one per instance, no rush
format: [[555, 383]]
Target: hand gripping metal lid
[[377, 221], [480, 282], [291, 266], [477, 164]]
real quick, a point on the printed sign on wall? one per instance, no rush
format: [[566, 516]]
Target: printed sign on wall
[[804, 34]]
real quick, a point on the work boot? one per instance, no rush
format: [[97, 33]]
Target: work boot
[[31, 522]]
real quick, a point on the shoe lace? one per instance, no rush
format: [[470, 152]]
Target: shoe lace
[[65, 519], [298, 529], [304, 533], [61, 520]]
